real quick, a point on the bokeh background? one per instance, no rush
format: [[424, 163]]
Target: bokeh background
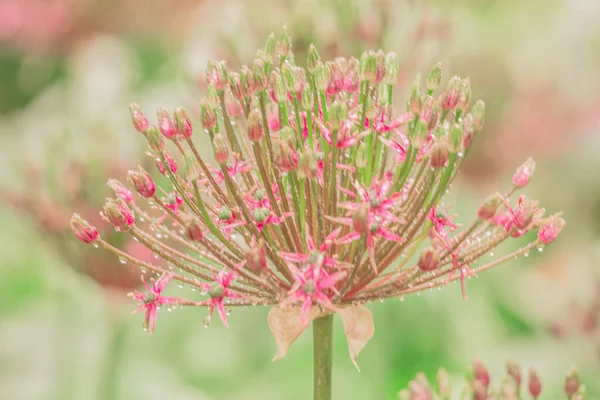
[[68, 70]]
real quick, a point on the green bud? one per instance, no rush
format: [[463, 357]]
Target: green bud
[[307, 164], [321, 76], [261, 214], [488, 208], [415, 101], [287, 134], [221, 149], [225, 213], [391, 69], [312, 58], [279, 87], [284, 44], [156, 142], [212, 97], [465, 94], [478, 112], [338, 112], [192, 169], [289, 78], [434, 78], [455, 139], [420, 133], [216, 290], [270, 49], [307, 98]]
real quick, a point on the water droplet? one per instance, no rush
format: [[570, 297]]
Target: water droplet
[[180, 285], [122, 260], [491, 253], [401, 298], [540, 248], [526, 254], [418, 293], [143, 269]]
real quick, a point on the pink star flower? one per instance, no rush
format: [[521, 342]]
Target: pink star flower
[[153, 300]]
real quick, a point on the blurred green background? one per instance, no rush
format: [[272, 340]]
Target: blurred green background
[[68, 70]]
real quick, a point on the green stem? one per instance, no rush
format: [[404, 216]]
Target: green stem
[[323, 346], [111, 374]]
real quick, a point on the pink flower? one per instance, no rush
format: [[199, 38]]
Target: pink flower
[[376, 198], [236, 167], [399, 146], [316, 256], [374, 229], [152, 300], [345, 136], [218, 292], [523, 174], [312, 285]]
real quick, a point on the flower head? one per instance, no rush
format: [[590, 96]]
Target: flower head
[[321, 193], [152, 300]]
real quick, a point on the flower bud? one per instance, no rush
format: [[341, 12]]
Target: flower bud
[[120, 190], [360, 219], [550, 229], [256, 258], [321, 76], [381, 66], [571, 383], [444, 389], [367, 67], [307, 98], [468, 130], [455, 139], [307, 164], [289, 77], [439, 155], [216, 73], [83, 230], [488, 208], [513, 370], [118, 214], [221, 149], [155, 140], [338, 112], [287, 135], [430, 112], [480, 373], [270, 49], [524, 172], [478, 112], [140, 122], [225, 213], [429, 260], [534, 385], [171, 164], [212, 97], [434, 78], [192, 169], [391, 69], [278, 87], [259, 194], [207, 115], [255, 128], [451, 95], [284, 44], [142, 182], [312, 58], [465, 94], [287, 157], [193, 231], [261, 214], [258, 75], [166, 123], [237, 86], [420, 134], [184, 125], [525, 212], [415, 101]]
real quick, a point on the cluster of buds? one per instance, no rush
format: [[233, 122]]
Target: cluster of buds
[[335, 205], [479, 385], [48, 207]]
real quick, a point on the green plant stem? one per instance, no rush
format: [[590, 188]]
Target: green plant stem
[[323, 355], [109, 388]]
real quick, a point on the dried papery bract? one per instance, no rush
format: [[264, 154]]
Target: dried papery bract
[[325, 195]]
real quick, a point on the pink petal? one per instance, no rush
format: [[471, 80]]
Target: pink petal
[[222, 313], [293, 257], [349, 238]]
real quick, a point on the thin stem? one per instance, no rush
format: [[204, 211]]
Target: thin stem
[[323, 356]]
